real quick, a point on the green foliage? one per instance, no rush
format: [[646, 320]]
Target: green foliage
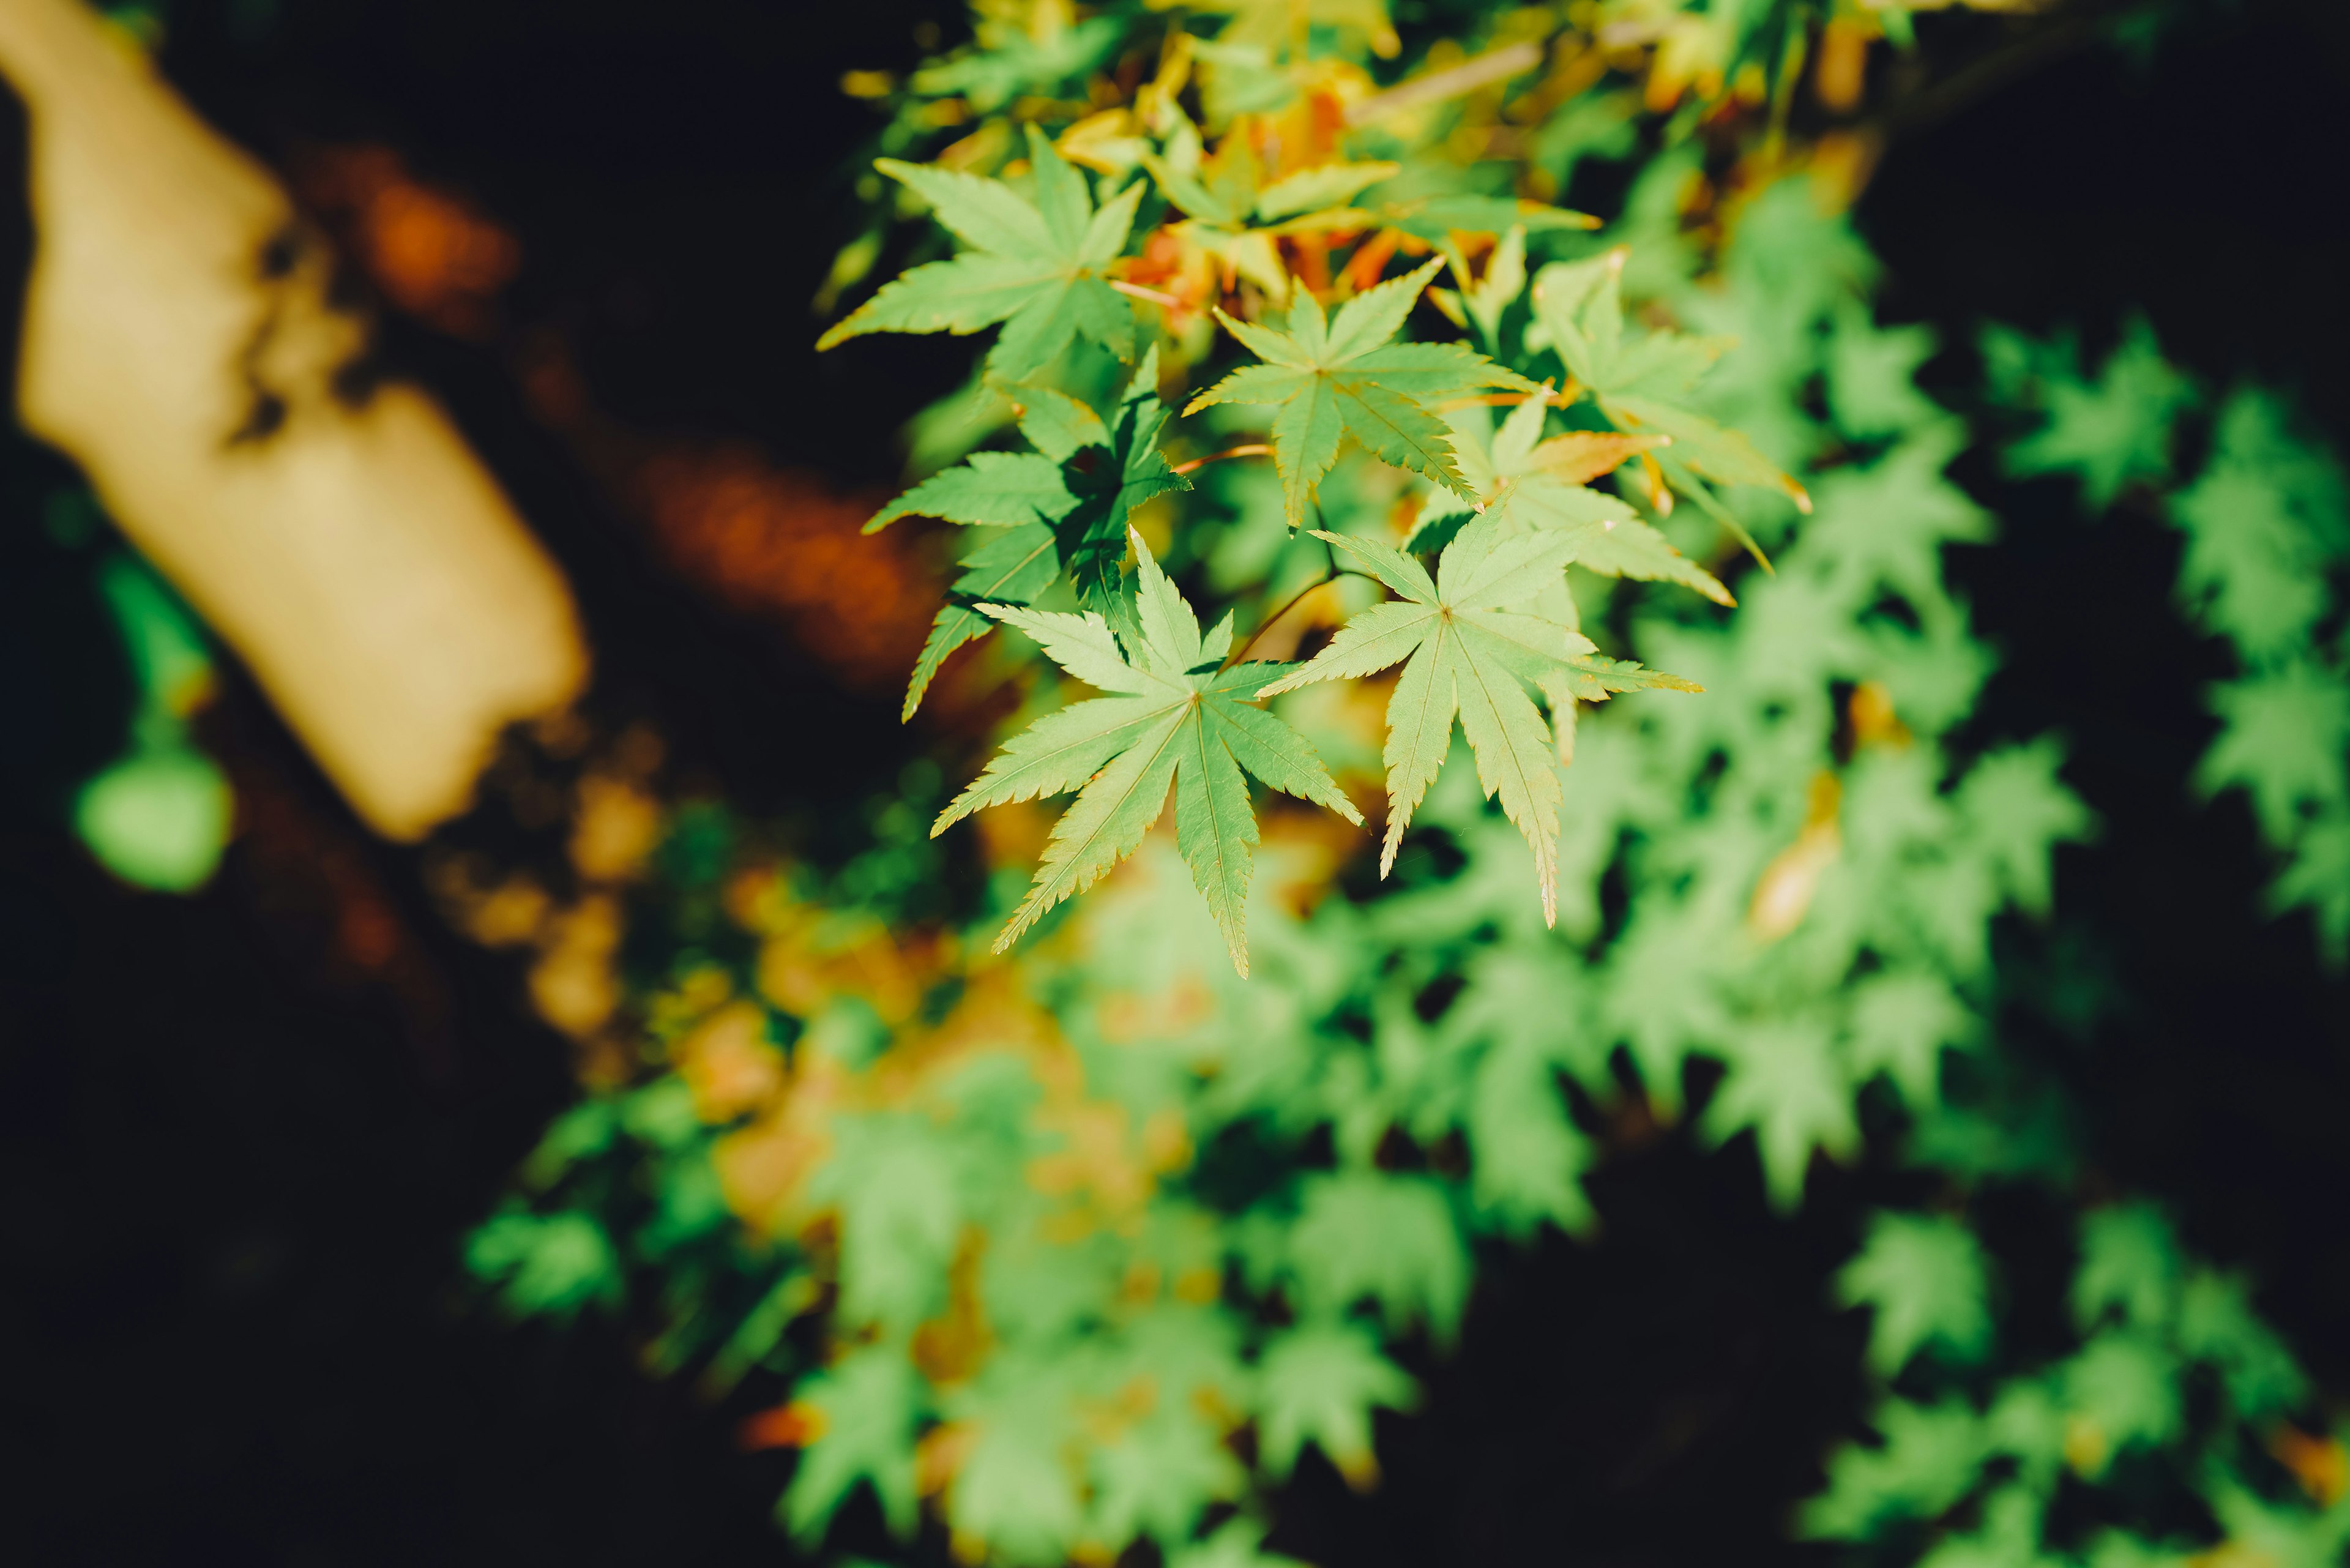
[[159, 816], [1924, 1280], [1470, 656], [1981, 1473], [1343, 378], [1182, 716], [998, 1193], [1031, 262], [2172, 1372], [2107, 432], [1063, 509], [2267, 526]]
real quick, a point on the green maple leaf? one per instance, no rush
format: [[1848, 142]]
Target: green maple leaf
[[1160, 1474], [2125, 1387], [2111, 430], [2282, 737], [1925, 1278], [551, 1263], [1318, 1383], [870, 1400], [1017, 1489], [899, 1201], [1871, 381], [2017, 810], [1032, 262], [1640, 382], [2219, 1323], [1391, 1237], [1528, 484], [1787, 1082], [2318, 875], [1064, 509], [2130, 1264], [1175, 717], [1340, 378], [1901, 1021], [2263, 522], [1469, 656], [1930, 1458]]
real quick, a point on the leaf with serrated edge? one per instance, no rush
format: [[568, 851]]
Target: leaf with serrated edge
[[1033, 264], [1179, 721], [1466, 656], [990, 489], [1010, 565], [1337, 379]]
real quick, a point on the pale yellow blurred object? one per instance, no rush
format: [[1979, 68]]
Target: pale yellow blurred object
[[179, 346]]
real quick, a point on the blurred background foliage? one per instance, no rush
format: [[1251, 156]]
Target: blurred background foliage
[[1916, 1142]]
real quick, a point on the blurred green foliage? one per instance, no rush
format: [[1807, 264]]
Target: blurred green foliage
[[1083, 1246]]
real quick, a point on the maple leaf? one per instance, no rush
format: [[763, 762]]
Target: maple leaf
[[1063, 509], [2284, 732], [2263, 522], [1034, 262], [1786, 1083], [1336, 378], [1929, 1458], [1469, 656], [1639, 382], [1901, 1021], [1528, 484], [1391, 1237], [2114, 429], [867, 1403], [2124, 1388], [1177, 716], [1159, 1473], [1318, 1381], [2129, 1265], [1924, 1277]]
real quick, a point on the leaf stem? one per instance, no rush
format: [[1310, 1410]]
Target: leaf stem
[[1323, 581], [1512, 400], [1246, 448], [1153, 295]]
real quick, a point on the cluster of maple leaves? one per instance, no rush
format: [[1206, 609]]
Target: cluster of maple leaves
[[1503, 519]]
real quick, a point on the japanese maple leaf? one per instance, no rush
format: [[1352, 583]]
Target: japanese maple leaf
[[1642, 380], [1032, 262], [1060, 508], [1339, 377], [1175, 716], [1472, 657], [1526, 483]]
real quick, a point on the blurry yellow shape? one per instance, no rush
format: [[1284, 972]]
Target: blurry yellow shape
[[572, 985], [1783, 894], [2086, 1447], [2320, 1464], [1843, 69], [1874, 721], [179, 343], [157, 819]]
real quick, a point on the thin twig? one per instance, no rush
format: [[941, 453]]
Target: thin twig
[[1512, 400], [1323, 581], [1151, 294], [1246, 448], [1496, 66]]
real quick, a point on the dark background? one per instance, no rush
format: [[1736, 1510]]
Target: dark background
[[234, 1163]]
